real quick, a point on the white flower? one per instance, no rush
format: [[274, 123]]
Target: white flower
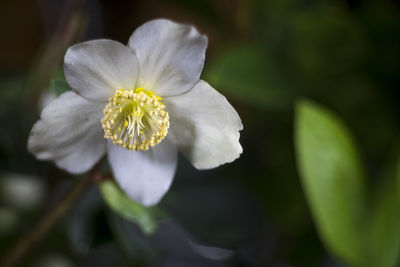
[[139, 104]]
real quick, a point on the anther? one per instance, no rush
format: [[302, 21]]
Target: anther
[[135, 120]]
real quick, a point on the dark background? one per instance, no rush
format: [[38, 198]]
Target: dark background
[[263, 56]]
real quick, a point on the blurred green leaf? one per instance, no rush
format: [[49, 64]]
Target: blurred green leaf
[[398, 176], [145, 217], [58, 84], [333, 181], [249, 73], [385, 222]]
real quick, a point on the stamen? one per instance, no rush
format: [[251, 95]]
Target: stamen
[[135, 120]]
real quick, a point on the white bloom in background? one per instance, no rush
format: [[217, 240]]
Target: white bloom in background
[[139, 104]]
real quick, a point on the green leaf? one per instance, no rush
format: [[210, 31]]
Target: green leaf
[[398, 176], [333, 181], [145, 217], [385, 222], [58, 84], [249, 73]]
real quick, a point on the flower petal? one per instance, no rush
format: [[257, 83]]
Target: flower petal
[[171, 56], [144, 176], [69, 133], [204, 126], [95, 69]]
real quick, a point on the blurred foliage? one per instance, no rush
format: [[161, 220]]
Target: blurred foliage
[[264, 56], [333, 181], [145, 217], [249, 74], [385, 220], [58, 84], [335, 186]]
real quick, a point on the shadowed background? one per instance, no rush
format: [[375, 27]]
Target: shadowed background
[[263, 56]]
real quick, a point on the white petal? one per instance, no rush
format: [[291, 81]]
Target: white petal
[[144, 176], [95, 69], [171, 56], [69, 133], [204, 126]]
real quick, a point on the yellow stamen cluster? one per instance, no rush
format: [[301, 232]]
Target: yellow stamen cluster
[[135, 119]]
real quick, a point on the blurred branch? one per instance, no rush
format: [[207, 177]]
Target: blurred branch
[[27, 241], [71, 27]]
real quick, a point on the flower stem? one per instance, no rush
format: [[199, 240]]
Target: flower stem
[[27, 242]]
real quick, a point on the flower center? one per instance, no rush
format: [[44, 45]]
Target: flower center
[[135, 120]]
